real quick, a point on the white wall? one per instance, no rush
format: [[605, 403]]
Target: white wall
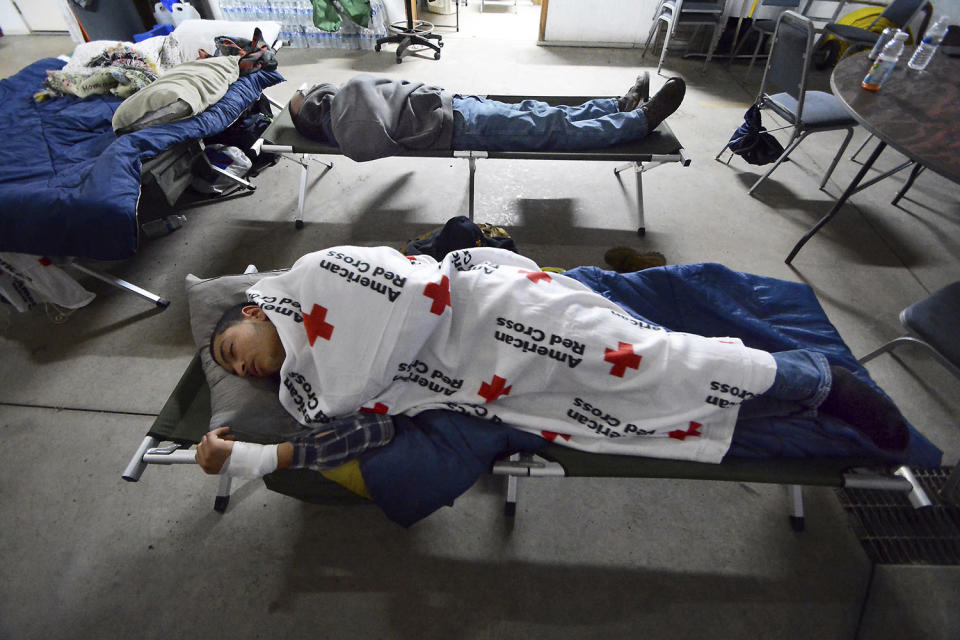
[[10, 20], [949, 8], [624, 22]]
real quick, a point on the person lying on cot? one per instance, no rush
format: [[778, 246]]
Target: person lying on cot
[[370, 117], [365, 329]]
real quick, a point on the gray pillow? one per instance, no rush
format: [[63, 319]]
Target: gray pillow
[[249, 406]]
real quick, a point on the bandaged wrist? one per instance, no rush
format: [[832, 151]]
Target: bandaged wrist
[[248, 460]]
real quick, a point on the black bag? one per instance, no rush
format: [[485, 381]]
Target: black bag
[[459, 233], [255, 54], [752, 142], [246, 129]]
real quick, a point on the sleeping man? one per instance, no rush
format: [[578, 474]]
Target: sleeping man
[[369, 333], [371, 117]]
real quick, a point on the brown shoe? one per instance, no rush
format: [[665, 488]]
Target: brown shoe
[[627, 260], [637, 94], [664, 102]]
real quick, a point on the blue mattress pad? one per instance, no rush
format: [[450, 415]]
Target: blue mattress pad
[[68, 185], [437, 455]]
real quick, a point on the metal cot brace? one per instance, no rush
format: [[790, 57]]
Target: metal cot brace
[[185, 418], [659, 147]]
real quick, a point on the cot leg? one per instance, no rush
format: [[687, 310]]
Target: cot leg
[[917, 496], [298, 221], [223, 494], [163, 303], [638, 171], [510, 505], [471, 184], [796, 506], [137, 466]]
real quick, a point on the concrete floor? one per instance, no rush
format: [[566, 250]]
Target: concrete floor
[[88, 555]]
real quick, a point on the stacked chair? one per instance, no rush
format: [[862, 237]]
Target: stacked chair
[[764, 28], [676, 13]]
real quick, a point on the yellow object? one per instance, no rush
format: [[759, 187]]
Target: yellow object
[[862, 18], [349, 477]]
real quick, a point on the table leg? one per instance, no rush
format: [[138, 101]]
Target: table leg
[[840, 202]]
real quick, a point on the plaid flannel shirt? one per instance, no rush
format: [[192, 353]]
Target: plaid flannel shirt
[[332, 444]]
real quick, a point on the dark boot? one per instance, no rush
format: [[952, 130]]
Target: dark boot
[[637, 94], [627, 260], [665, 102], [870, 413]]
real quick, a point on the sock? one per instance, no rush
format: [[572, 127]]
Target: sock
[[867, 411]]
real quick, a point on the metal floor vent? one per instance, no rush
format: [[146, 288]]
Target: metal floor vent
[[892, 531]]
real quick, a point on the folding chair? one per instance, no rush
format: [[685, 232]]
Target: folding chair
[[931, 323], [806, 111]]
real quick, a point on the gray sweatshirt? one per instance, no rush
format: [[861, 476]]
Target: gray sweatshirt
[[372, 117]]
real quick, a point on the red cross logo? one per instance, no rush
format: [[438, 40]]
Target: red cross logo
[[316, 325], [621, 358], [440, 294], [377, 408], [680, 434], [552, 435], [537, 276], [494, 389]]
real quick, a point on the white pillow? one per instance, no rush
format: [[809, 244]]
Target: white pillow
[[199, 34]]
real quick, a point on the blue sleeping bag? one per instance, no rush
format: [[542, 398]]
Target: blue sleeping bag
[[437, 455], [68, 185]]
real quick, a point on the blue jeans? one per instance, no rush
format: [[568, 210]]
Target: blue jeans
[[802, 383], [487, 125]]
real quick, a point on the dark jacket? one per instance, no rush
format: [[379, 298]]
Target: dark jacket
[[370, 117]]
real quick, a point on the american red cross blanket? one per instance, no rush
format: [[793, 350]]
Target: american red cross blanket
[[487, 333]]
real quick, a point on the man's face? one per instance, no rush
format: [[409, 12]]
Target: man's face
[[251, 347]]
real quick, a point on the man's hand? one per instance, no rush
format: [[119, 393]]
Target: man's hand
[[214, 449]]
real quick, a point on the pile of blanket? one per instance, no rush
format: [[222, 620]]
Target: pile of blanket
[[108, 67]]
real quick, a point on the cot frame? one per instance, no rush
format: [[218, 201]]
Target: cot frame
[[190, 399], [658, 148]]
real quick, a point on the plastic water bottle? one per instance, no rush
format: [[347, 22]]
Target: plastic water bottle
[[928, 46], [882, 42], [885, 63], [305, 11], [163, 226]]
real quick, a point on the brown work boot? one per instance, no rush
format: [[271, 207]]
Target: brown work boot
[[627, 260], [637, 94], [664, 102]]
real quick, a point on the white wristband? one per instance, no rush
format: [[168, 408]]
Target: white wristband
[[248, 460]]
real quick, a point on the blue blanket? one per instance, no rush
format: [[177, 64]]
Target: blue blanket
[[438, 455], [68, 185]]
